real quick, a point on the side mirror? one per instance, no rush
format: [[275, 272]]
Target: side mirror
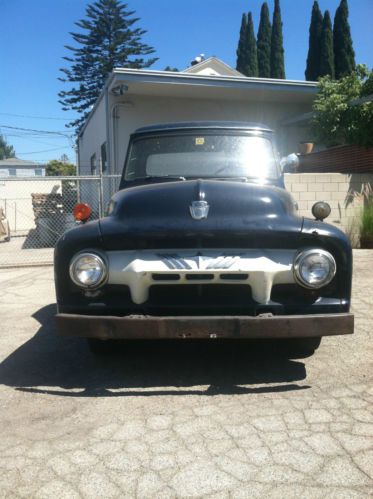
[[289, 164]]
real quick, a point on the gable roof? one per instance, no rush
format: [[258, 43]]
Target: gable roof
[[212, 67], [15, 162], [184, 83]]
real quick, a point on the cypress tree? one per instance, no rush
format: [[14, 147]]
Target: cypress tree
[[313, 58], [108, 40], [326, 47], [264, 43], [277, 49], [344, 55], [252, 56], [241, 48]]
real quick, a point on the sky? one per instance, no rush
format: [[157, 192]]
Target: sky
[[34, 32]]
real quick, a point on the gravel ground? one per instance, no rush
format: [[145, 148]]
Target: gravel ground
[[184, 419], [19, 251]]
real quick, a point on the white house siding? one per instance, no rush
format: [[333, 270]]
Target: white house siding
[[90, 144], [140, 110], [93, 137]]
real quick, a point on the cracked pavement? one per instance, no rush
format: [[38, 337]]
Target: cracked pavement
[[180, 419]]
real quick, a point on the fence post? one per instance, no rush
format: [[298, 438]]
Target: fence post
[[100, 196]]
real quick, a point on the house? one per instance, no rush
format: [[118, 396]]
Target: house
[[207, 90], [15, 167]]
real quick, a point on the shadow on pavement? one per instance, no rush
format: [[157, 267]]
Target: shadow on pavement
[[65, 366]]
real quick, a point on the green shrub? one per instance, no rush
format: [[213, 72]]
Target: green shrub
[[366, 228], [343, 110]]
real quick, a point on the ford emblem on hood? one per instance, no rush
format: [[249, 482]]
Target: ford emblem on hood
[[199, 209]]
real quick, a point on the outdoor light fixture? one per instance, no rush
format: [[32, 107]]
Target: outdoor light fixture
[[119, 90]]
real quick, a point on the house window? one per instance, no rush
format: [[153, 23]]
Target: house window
[[103, 158], [25, 172], [93, 165], [38, 172], [12, 172]]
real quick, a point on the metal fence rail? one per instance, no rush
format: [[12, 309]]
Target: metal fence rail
[[38, 210]]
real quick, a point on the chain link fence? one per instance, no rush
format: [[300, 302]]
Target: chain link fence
[[35, 212]]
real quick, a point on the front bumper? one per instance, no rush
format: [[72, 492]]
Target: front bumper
[[151, 327]]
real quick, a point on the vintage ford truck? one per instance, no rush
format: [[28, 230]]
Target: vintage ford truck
[[203, 241]]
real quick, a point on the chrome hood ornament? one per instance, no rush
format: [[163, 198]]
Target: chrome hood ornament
[[199, 210]]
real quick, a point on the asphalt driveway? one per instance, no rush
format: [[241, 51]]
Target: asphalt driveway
[[184, 419]]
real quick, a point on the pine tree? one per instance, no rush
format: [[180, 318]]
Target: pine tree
[[264, 43], [326, 47], [241, 48], [251, 68], [277, 49], [6, 150], [108, 40], [344, 55], [313, 58]]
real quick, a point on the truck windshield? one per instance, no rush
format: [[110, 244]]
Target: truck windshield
[[201, 155]]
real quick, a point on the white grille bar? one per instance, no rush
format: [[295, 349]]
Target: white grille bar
[[261, 269]]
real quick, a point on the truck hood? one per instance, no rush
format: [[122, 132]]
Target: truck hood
[[160, 215]]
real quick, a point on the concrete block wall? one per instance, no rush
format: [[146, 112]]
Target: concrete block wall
[[307, 188]]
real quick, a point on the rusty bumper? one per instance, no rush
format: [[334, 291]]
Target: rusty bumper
[[150, 327]]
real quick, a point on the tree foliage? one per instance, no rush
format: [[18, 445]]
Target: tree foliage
[[252, 56], [57, 168], [326, 66], [264, 43], [247, 59], [107, 39], [313, 58], [241, 48], [341, 116], [344, 55], [6, 150], [277, 48], [171, 68]]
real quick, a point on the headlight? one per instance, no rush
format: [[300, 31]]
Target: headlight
[[314, 268], [88, 270]]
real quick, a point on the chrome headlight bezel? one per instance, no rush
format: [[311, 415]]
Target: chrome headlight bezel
[[101, 264], [300, 261]]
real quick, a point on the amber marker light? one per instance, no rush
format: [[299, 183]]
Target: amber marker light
[[82, 212]]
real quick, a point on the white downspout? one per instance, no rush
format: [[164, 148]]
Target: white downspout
[[108, 134], [114, 108]]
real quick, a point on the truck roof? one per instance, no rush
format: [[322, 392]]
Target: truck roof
[[208, 125]]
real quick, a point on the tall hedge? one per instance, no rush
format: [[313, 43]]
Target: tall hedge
[[241, 48], [313, 58], [326, 47], [344, 55], [277, 48], [264, 43]]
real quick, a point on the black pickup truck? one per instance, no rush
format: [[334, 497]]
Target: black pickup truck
[[203, 241]]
